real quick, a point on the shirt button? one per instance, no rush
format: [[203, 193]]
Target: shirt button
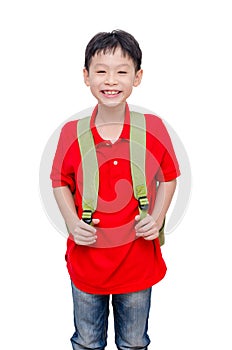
[[115, 162]]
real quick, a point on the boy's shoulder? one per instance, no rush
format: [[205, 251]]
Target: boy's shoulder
[[68, 133], [154, 124], [70, 127], [152, 118]]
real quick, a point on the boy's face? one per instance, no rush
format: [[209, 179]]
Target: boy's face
[[111, 77]]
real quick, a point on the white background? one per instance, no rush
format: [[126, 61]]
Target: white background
[[187, 81]]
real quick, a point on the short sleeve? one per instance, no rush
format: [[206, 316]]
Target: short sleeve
[[163, 160], [65, 159], [169, 166]]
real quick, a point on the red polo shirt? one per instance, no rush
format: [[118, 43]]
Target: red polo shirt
[[118, 262]]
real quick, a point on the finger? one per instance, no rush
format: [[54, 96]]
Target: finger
[[149, 234], [145, 225], [137, 218], [147, 230], [151, 237], [84, 237], [84, 232], [142, 222], [86, 227], [89, 227], [85, 242]]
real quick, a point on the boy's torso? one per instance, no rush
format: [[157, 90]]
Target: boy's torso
[[113, 265]]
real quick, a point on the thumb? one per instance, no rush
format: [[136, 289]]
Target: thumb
[[95, 221], [137, 218]]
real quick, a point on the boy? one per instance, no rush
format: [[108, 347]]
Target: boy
[[119, 254]]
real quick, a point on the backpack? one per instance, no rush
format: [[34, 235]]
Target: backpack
[[91, 172]]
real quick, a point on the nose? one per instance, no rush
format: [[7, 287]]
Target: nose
[[111, 79]]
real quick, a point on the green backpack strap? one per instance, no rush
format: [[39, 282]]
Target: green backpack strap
[[137, 160], [138, 165], [90, 169]]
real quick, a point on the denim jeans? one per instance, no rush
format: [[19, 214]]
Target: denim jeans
[[91, 311]]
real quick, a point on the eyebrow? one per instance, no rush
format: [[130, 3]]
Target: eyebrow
[[118, 66]]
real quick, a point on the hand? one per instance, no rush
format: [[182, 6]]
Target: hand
[[84, 234], [147, 228]]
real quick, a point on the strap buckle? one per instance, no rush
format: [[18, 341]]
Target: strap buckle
[[87, 216], [143, 203]]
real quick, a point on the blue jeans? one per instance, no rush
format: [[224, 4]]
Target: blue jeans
[[91, 311]]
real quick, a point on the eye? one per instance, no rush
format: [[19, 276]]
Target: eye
[[122, 72], [101, 71]]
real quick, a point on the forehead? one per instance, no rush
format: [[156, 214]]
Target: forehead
[[112, 58]]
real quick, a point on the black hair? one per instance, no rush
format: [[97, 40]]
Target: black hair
[[109, 42]]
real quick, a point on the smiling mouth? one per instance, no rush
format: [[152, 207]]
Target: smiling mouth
[[111, 92]]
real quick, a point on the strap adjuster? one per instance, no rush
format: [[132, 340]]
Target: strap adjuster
[[87, 216], [143, 203]]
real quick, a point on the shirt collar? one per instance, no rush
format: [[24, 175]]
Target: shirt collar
[[125, 134]]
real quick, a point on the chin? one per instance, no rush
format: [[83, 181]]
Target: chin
[[112, 103]]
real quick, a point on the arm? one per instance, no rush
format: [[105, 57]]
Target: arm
[[163, 200], [149, 226], [83, 234]]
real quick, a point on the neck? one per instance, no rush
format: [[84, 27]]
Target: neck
[[111, 114]]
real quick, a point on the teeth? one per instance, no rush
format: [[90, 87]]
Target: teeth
[[111, 92]]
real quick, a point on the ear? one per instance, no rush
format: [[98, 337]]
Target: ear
[[138, 77], [86, 76]]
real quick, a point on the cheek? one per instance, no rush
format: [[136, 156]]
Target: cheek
[[131, 82], [94, 88], [94, 83], [129, 85]]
